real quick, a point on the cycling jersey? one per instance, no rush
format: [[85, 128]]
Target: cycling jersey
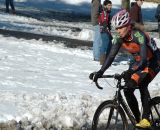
[[136, 43]]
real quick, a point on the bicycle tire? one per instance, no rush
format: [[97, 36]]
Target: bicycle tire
[[155, 113], [98, 124]]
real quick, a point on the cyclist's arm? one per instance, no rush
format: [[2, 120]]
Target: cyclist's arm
[[117, 42]]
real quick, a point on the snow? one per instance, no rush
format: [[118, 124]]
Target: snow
[[48, 82]]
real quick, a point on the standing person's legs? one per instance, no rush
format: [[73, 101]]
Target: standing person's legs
[[105, 48], [7, 6], [12, 6], [97, 42], [109, 44]]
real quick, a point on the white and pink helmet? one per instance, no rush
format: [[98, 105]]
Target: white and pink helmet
[[121, 19]]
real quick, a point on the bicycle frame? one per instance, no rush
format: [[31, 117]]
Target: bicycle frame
[[118, 98], [121, 104]]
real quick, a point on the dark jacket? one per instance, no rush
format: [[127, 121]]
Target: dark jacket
[[104, 19], [95, 5], [136, 14]]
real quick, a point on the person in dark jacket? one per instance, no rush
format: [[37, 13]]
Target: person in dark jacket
[[136, 15], [11, 3], [157, 15], [97, 41]]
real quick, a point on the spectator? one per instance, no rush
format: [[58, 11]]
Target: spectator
[[136, 15], [11, 3], [97, 41], [104, 20], [157, 15]]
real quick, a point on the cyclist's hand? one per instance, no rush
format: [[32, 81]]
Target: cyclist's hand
[[92, 75], [95, 75], [127, 74], [131, 84]]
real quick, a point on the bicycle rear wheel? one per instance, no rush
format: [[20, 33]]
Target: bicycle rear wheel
[[109, 116], [155, 113]]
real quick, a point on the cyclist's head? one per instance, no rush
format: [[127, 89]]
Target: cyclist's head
[[121, 19], [121, 22]]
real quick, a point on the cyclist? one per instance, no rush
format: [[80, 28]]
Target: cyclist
[[141, 72]]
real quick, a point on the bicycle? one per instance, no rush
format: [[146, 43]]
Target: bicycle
[[116, 111]]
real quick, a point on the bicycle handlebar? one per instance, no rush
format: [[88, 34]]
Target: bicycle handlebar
[[115, 76]]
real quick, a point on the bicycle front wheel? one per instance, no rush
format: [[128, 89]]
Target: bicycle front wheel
[[155, 113], [109, 116]]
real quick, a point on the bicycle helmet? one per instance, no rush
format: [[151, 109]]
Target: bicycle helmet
[[121, 19]]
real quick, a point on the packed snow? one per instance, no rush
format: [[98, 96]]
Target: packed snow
[[48, 82]]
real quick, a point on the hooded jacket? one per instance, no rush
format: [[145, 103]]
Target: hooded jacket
[[136, 14]]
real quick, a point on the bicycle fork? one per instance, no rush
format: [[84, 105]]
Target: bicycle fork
[[110, 117]]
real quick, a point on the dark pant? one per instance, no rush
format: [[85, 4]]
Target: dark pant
[[141, 79], [9, 2], [133, 103]]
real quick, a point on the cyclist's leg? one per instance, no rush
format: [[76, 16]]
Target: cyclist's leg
[[143, 87], [132, 102], [146, 76], [141, 81]]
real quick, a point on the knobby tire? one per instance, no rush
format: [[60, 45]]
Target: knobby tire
[[101, 124]]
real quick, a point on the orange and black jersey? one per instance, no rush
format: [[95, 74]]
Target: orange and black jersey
[[136, 43]]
